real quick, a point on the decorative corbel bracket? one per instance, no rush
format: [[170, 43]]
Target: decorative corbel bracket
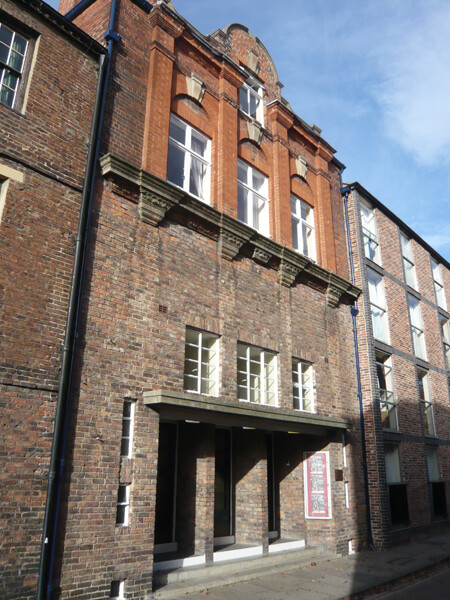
[[156, 198], [233, 234], [290, 266], [264, 249], [338, 287]]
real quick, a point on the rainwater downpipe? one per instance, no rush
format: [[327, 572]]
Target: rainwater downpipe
[[354, 311], [59, 442]]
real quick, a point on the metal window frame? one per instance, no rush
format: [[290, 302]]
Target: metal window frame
[[299, 364], [130, 437], [198, 361], [263, 391]]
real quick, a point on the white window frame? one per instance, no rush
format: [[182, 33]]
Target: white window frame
[[123, 505], [426, 402], [370, 234], [189, 157], [408, 261], [120, 595], [438, 285], [378, 307], [248, 210], [445, 332], [7, 68], [301, 226], [252, 90], [202, 374], [126, 446], [417, 331], [302, 385], [388, 402], [259, 370]]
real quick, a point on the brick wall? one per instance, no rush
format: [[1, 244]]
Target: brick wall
[[47, 146]]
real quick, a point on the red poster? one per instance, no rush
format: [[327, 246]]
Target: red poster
[[317, 488]]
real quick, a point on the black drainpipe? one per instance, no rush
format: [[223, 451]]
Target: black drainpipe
[[354, 310], [56, 469]]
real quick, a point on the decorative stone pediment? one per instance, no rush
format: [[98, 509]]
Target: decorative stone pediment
[[254, 131], [195, 87], [301, 167], [155, 197]]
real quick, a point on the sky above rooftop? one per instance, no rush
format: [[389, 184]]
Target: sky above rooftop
[[375, 77]]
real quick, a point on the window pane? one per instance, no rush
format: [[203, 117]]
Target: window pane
[[242, 204], [7, 96], [392, 459], [175, 165], [177, 131], [6, 35], [4, 51], [197, 177], [254, 104], [295, 240], [20, 44], [243, 99], [16, 61], [124, 447], [257, 181], [198, 143], [410, 273], [433, 464], [306, 231], [242, 172]]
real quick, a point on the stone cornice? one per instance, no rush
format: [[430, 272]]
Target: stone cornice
[[157, 197]]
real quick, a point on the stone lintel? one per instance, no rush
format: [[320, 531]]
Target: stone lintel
[[210, 409]]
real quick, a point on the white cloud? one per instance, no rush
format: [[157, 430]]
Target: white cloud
[[414, 97]]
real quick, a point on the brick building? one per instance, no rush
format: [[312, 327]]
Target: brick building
[[206, 401], [212, 402], [404, 349], [46, 113]]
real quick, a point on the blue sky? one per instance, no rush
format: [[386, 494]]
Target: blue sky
[[375, 77]]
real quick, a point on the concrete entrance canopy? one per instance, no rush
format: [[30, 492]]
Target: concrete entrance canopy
[[175, 406]]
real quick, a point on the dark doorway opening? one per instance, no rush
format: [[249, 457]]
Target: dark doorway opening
[[223, 505], [166, 487]]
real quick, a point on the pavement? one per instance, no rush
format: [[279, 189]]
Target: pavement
[[363, 575]]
